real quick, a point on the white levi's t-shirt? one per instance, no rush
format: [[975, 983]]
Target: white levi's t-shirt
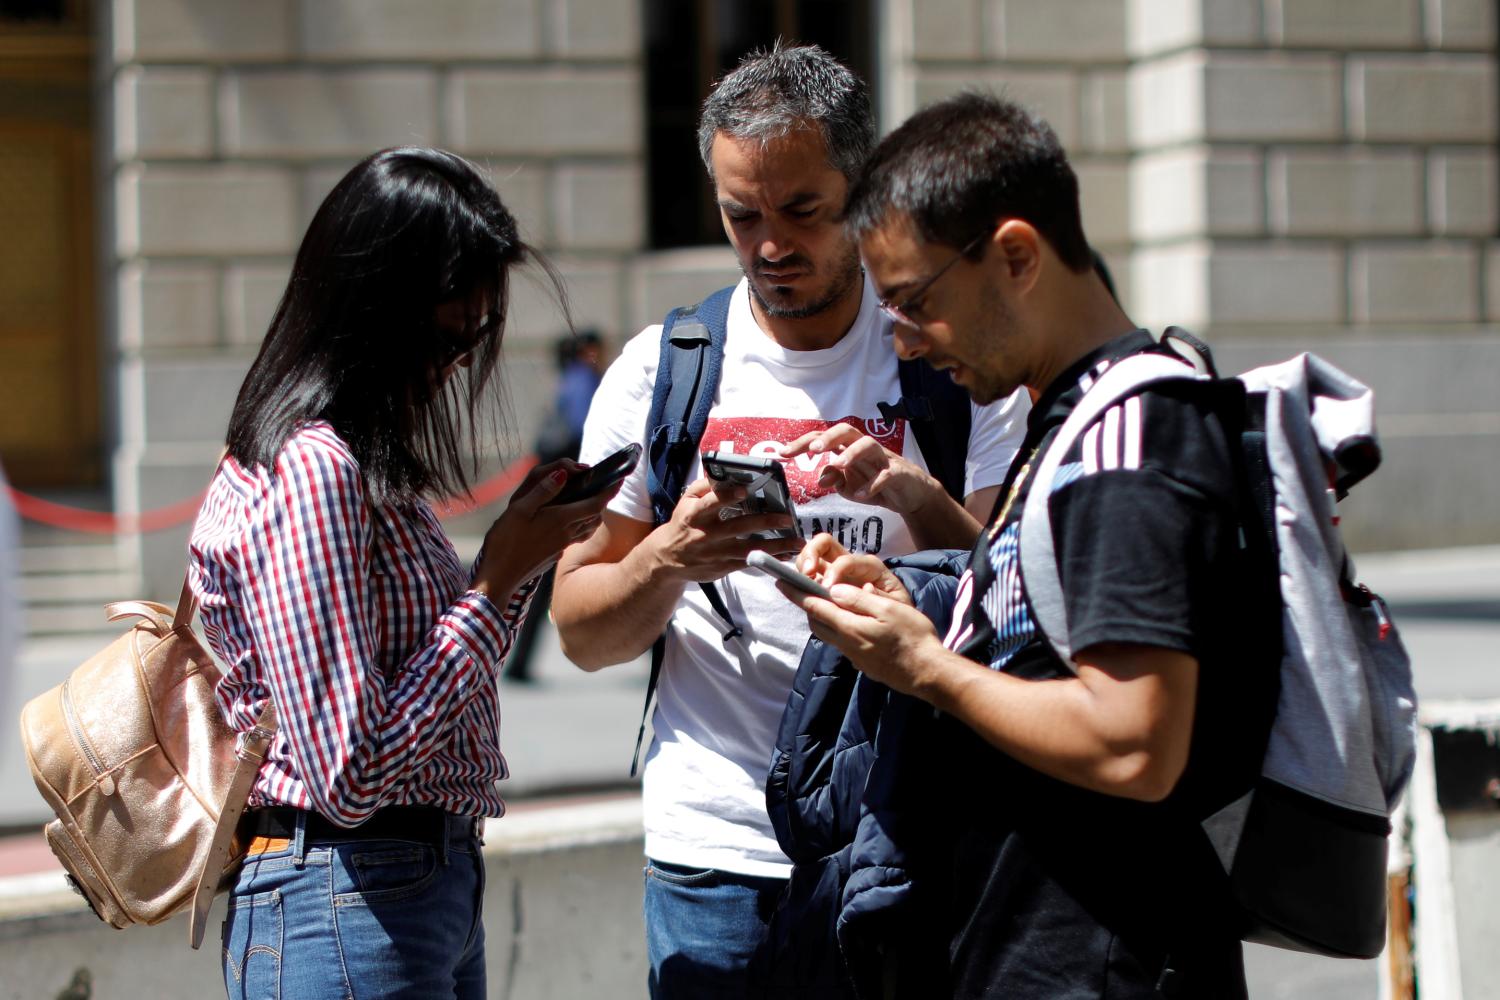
[[719, 705]]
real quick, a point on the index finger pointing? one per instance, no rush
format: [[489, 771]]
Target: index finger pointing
[[799, 445]]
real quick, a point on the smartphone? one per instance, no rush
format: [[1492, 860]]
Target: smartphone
[[767, 563], [598, 477], [765, 485]]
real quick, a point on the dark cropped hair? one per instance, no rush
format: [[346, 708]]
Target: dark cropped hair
[[354, 340], [966, 163], [771, 93]]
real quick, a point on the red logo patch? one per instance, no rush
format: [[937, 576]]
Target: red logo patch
[[762, 437]]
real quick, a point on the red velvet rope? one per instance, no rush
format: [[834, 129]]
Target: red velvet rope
[[98, 522]]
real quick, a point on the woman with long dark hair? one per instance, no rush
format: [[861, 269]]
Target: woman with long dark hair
[[328, 586]]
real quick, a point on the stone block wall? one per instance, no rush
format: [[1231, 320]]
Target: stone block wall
[[1321, 175], [1280, 175], [1324, 139], [228, 122], [1068, 59]]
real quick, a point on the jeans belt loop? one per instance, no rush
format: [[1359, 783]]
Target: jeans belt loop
[[299, 839]]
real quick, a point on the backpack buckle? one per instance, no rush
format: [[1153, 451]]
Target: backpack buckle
[[918, 408], [253, 743], [691, 333]]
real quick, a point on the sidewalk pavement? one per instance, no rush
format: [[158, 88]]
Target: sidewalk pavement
[[569, 731]]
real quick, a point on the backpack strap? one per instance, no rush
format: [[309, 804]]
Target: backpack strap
[[940, 415], [1190, 349], [250, 751], [1039, 574], [687, 380]]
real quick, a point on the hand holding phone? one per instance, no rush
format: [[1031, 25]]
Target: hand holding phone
[[769, 564], [598, 477], [766, 491]]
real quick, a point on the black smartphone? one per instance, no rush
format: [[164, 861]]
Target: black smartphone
[[767, 563], [765, 485], [598, 477]]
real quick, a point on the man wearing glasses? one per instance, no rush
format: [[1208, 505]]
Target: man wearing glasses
[[808, 358], [1054, 833]]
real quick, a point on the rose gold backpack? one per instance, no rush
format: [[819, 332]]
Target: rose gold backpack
[[147, 779]]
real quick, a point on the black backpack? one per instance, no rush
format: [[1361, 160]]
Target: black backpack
[[687, 380]]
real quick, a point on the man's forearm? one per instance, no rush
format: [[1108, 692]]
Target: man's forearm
[[942, 523], [1091, 730], [608, 613], [1121, 726]]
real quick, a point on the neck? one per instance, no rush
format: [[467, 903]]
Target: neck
[[1081, 316], [811, 333]]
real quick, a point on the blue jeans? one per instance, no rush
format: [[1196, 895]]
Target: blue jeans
[[378, 919], [702, 926]]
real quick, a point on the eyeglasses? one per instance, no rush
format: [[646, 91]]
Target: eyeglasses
[[455, 345], [897, 310]]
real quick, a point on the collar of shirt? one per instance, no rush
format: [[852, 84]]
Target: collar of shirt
[[1057, 401]]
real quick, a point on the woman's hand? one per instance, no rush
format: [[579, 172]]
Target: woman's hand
[[528, 537]]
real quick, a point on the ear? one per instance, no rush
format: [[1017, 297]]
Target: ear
[[1019, 249]]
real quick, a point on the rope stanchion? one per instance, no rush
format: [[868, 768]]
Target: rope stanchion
[[492, 489], [103, 522]]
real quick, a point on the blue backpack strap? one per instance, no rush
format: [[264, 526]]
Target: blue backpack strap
[[687, 379], [658, 653], [940, 416]]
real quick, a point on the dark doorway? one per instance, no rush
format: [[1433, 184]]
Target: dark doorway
[[48, 324], [689, 45]]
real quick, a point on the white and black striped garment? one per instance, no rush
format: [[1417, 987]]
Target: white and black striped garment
[[1138, 508]]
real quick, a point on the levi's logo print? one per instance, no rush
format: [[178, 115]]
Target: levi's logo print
[[763, 437]]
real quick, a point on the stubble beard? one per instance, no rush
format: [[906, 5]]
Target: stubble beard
[[988, 386], [846, 276]]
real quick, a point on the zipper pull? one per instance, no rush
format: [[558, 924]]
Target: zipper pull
[[1374, 602], [106, 784]]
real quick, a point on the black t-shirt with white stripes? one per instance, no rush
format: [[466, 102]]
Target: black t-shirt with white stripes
[[1089, 887], [1141, 506]]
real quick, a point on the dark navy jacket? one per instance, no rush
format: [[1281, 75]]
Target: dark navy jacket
[[836, 792]]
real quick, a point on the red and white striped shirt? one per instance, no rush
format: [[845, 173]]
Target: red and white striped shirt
[[359, 622]]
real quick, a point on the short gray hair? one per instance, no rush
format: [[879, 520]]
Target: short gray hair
[[772, 93]]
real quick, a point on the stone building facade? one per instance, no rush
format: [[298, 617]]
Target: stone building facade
[[1279, 175]]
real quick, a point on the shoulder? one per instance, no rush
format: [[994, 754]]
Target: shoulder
[[1175, 430], [315, 474], [1011, 412], [629, 378], [641, 352], [618, 408], [316, 453]]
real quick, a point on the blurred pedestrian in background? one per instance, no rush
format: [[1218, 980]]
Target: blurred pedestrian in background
[[579, 368]]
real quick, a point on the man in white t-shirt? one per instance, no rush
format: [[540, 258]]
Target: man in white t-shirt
[[808, 357]]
